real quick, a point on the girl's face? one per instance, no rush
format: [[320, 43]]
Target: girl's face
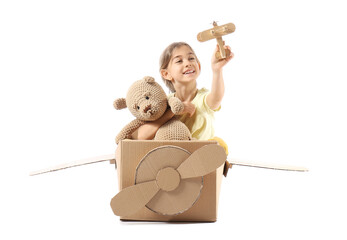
[[183, 67]]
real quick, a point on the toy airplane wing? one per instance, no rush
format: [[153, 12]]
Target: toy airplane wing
[[103, 158], [217, 31], [239, 162]]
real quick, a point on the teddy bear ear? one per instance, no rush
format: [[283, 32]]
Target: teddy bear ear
[[120, 103], [149, 79]]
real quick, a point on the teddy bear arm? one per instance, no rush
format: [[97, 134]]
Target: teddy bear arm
[[126, 132], [176, 105]]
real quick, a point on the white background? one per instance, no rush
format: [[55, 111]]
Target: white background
[[62, 63]]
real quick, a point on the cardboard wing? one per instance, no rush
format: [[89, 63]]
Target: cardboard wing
[[102, 158], [239, 162]]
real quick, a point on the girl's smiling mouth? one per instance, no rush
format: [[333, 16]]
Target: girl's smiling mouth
[[188, 72]]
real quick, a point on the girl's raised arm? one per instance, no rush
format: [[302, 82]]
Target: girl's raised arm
[[216, 95]]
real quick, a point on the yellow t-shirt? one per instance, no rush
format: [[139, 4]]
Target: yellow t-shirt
[[201, 123]]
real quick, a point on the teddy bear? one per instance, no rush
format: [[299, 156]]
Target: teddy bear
[[147, 101]]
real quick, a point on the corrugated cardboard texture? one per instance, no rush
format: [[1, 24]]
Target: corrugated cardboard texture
[[130, 153]]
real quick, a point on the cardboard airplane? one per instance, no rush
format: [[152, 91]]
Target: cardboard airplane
[[168, 180]]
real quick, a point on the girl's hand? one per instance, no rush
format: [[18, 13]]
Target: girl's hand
[[188, 108], [218, 64]]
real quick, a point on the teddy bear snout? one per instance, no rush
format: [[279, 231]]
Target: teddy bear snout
[[147, 109]]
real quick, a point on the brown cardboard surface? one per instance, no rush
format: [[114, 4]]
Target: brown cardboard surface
[[131, 152]]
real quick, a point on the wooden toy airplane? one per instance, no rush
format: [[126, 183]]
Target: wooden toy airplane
[[217, 32]]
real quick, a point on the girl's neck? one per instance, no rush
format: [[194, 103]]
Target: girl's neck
[[186, 93]]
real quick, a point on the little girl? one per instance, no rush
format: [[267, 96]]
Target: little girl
[[180, 68]]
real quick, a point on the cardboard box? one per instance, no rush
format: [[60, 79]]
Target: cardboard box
[[130, 153]]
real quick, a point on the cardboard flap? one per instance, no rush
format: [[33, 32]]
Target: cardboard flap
[[103, 158]]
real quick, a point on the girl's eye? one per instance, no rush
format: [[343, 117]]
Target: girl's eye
[[147, 97], [138, 108], [192, 58], [179, 61]]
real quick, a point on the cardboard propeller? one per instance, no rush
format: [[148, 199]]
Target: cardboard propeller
[[167, 175], [217, 32]]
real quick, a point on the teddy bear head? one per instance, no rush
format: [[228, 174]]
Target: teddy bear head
[[145, 99]]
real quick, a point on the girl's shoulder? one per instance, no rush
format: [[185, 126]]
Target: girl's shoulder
[[203, 91], [200, 95], [201, 102]]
